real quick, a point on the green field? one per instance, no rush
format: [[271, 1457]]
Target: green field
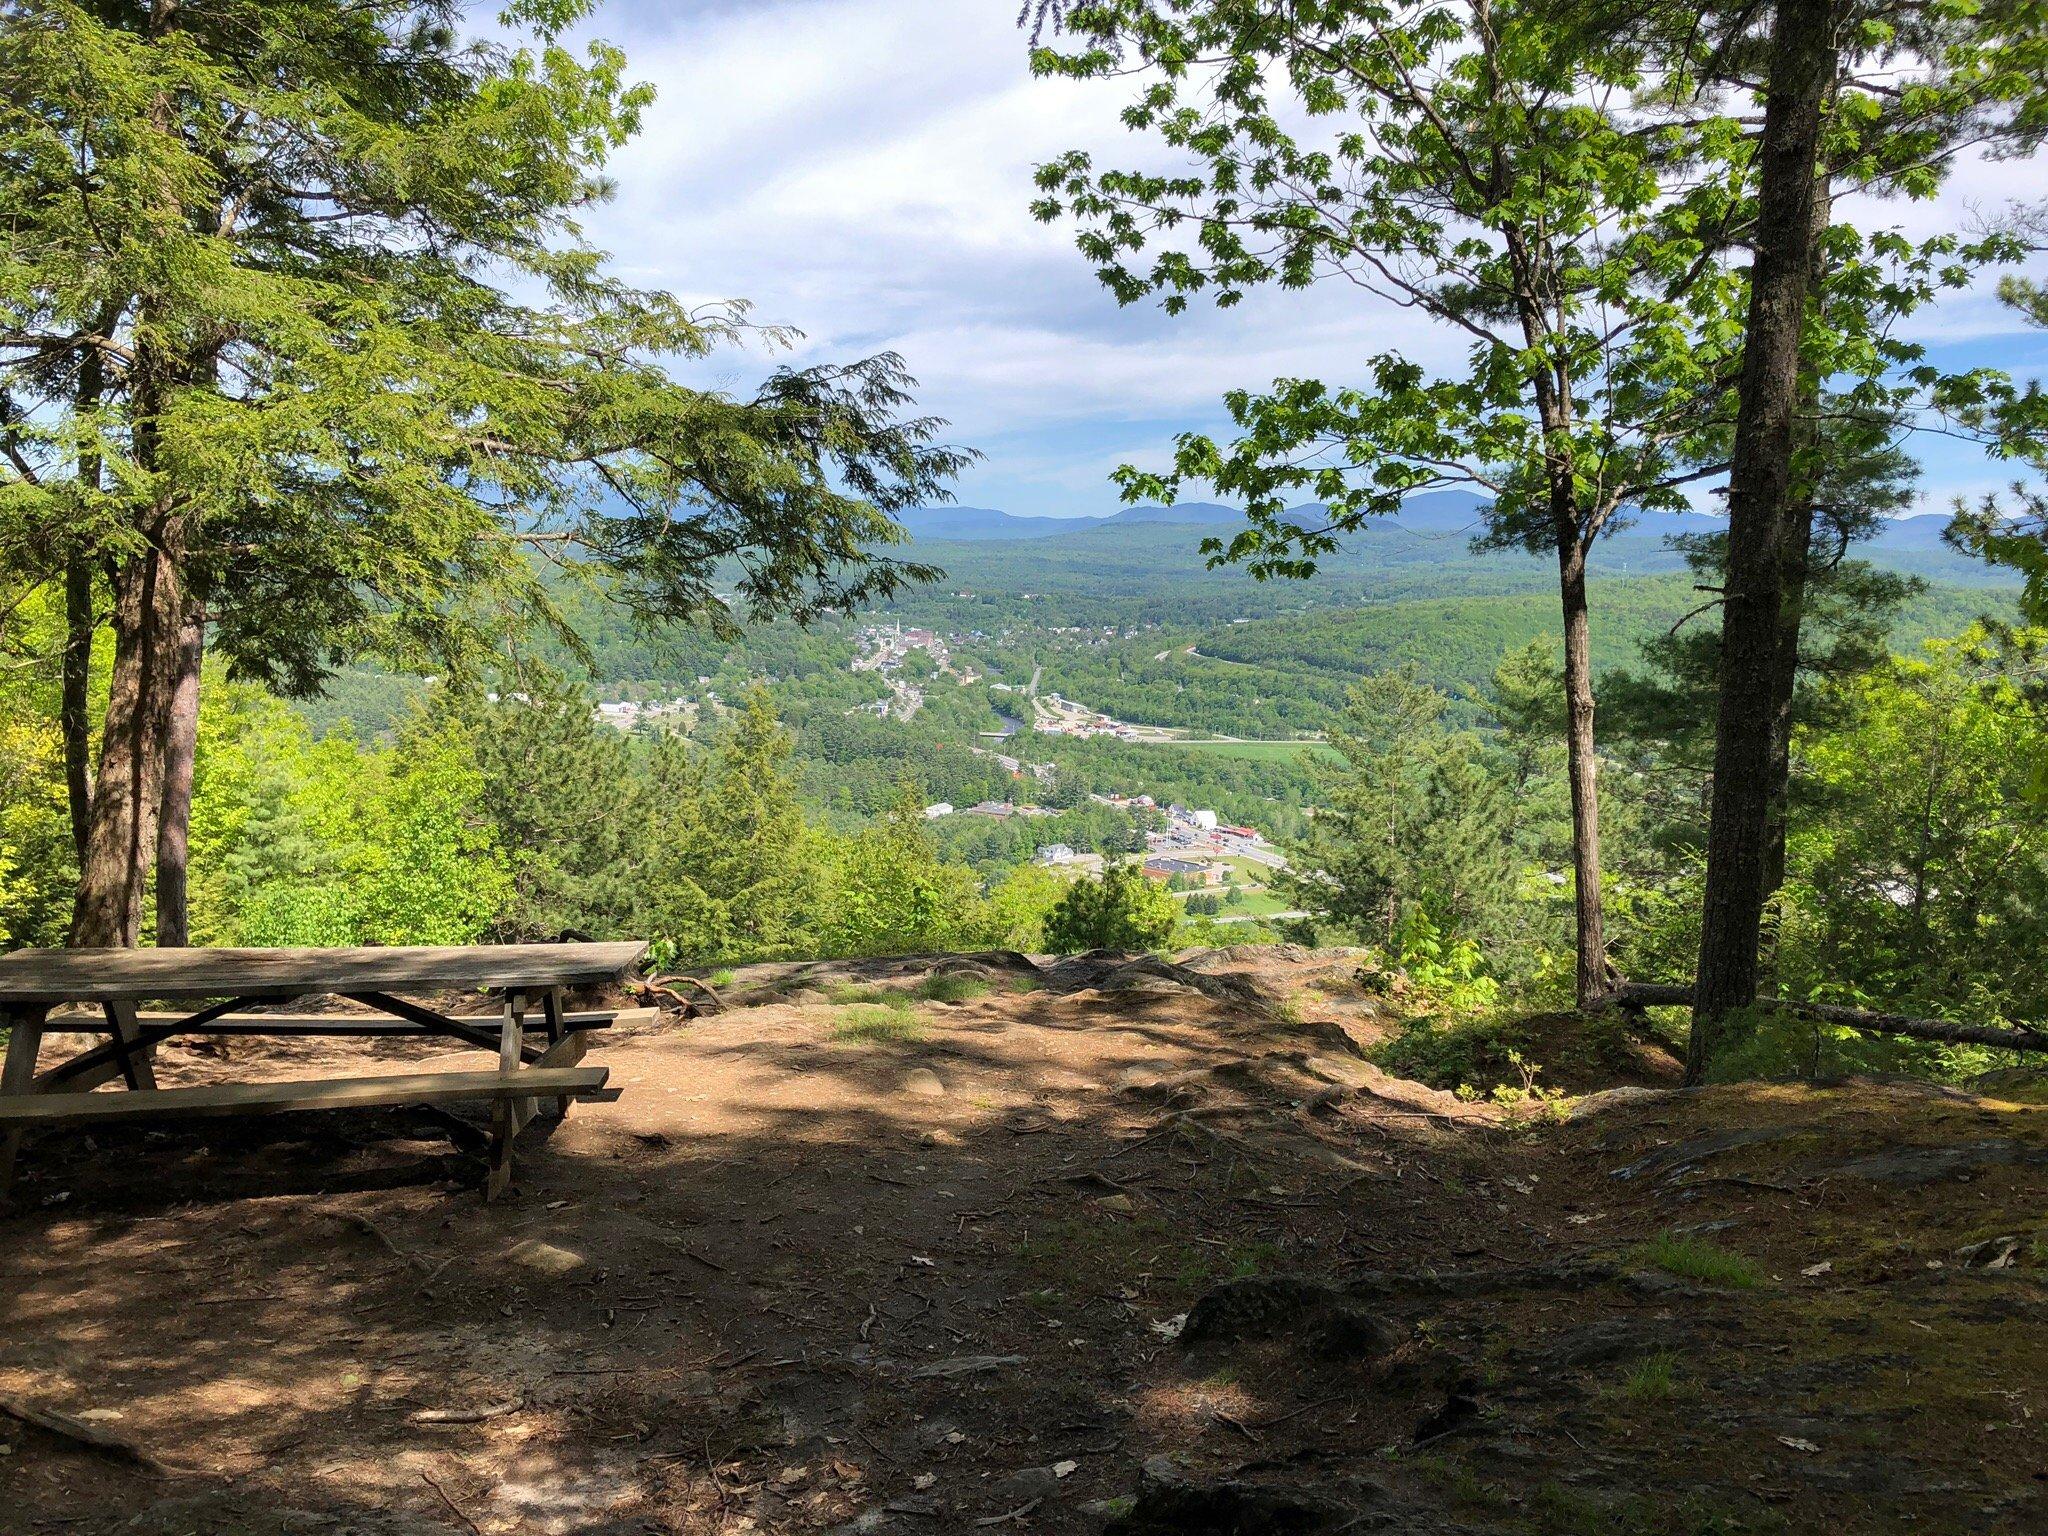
[[1258, 751]]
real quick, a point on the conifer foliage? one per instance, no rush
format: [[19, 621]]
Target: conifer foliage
[[300, 341]]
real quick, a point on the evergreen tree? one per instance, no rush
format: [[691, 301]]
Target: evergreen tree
[[301, 343], [1121, 910], [1881, 96], [1416, 827], [755, 849], [570, 807]]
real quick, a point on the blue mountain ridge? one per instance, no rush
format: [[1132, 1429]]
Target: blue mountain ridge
[[1436, 514]]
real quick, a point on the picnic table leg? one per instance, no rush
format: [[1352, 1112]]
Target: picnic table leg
[[138, 1060], [552, 1006], [505, 1117], [24, 1043]]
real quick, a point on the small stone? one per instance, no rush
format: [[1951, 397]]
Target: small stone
[[965, 1365], [1025, 1483], [544, 1258], [924, 1082]]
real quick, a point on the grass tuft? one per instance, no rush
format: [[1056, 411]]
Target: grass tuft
[[1652, 1378], [957, 987], [862, 992], [1694, 1258], [895, 1020]]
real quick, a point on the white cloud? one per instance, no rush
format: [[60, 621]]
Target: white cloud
[[862, 169]]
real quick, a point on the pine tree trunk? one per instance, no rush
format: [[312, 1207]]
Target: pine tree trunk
[[74, 703], [1801, 68], [1794, 564], [174, 816], [128, 789], [74, 700], [1582, 766], [1784, 684]]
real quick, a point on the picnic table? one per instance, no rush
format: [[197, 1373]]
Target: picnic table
[[539, 1045]]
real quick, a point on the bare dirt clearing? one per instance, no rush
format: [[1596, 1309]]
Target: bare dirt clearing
[[1140, 1249]]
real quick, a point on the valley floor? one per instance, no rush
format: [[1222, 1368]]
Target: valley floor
[[1104, 1248]]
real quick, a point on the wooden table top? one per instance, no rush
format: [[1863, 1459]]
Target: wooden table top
[[47, 976]]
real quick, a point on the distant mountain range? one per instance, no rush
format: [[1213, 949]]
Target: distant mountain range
[[1437, 514], [976, 523]]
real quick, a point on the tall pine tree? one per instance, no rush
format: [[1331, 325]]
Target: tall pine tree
[[298, 331]]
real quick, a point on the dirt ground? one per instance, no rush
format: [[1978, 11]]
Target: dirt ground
[[1101, 1249]]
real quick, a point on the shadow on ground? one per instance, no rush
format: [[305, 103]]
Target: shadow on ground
[[1154, 1258]]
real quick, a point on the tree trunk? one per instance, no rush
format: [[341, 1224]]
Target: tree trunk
[[1795, 562], [1802, 66], [174, 815], [1583, 767], [74, 706], [74, 703], [128, 790], [1784, 684]]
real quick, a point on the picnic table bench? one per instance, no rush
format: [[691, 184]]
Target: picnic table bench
[[219, 989]]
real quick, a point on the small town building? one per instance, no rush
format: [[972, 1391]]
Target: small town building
[[1165, 867]]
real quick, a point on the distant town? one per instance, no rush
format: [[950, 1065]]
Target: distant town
[[1195, 850]]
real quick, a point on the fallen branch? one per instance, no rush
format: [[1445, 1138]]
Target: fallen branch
[[363, 1224], [454, 1508], [665, 986], [466, 1415], [1638, 995], [79, 1432]]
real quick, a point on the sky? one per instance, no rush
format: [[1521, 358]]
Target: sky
[[861, 170]]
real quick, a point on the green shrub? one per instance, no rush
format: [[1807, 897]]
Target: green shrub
[[1769, 1043], [1122, 910], [1475, 1054]]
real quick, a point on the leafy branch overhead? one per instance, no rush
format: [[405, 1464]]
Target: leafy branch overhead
[[347, 322], [1569, 199]]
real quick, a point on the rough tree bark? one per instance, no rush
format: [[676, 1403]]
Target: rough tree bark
[[74, 700], [1795, 566], [174, 815], [1582, 764], [128, 789], [74, 713], [1801, 70], [149, 610]]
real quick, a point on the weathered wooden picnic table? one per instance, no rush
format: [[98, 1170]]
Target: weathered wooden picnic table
[[219, 988]]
